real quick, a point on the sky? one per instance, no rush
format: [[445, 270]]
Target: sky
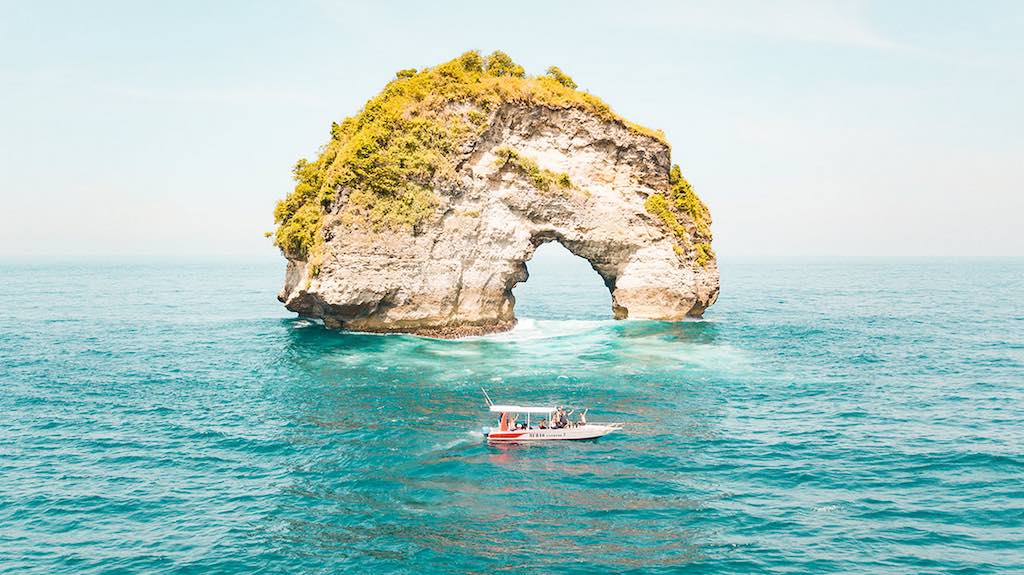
[[810, 128]]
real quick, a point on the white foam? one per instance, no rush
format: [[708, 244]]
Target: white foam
[[529, 329]]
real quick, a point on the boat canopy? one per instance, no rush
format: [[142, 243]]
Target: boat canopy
[[521, 409]]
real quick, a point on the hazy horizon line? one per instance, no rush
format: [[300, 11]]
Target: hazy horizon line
[[251, 255]]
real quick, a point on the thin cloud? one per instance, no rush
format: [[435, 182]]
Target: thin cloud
[[807, 21], [68, 78]]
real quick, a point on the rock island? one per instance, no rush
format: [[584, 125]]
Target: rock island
[[421, 211]]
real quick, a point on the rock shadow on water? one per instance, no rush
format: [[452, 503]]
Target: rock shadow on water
[[309, 337], [692, 332]]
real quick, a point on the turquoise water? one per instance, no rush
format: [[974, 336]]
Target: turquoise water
[[860, 416]]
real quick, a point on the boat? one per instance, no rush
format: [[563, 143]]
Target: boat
[[527, 432]]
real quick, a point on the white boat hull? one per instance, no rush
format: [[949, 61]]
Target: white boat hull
[[579, 432]]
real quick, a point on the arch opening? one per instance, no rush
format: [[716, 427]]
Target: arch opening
[[561, 285]]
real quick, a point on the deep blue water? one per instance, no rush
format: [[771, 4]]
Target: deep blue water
[[851, 416]]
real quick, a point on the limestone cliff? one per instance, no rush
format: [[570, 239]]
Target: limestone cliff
[[422, 211]]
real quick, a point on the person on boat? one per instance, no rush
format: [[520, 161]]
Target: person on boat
[[543, 424], [583, 416], [568, 422]]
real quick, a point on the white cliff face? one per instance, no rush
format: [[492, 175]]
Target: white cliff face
[[454, 276]]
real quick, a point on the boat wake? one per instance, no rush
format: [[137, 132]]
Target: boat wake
[[472, 436]]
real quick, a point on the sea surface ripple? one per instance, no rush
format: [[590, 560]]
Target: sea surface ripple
[[852, 416]]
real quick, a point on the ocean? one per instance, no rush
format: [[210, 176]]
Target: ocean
[[827, 416]]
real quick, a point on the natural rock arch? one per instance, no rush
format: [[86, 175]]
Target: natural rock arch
[[533, 173], [552, 266]]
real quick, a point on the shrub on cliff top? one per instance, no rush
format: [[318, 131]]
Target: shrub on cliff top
[[561, 77], [500, 64], [380, 166]]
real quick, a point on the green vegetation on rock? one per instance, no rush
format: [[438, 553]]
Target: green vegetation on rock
[[561, 77], [380, 168], [500, 64], [541, 178], [680, 205], [683, 198], [704, 253], [657, 205]]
